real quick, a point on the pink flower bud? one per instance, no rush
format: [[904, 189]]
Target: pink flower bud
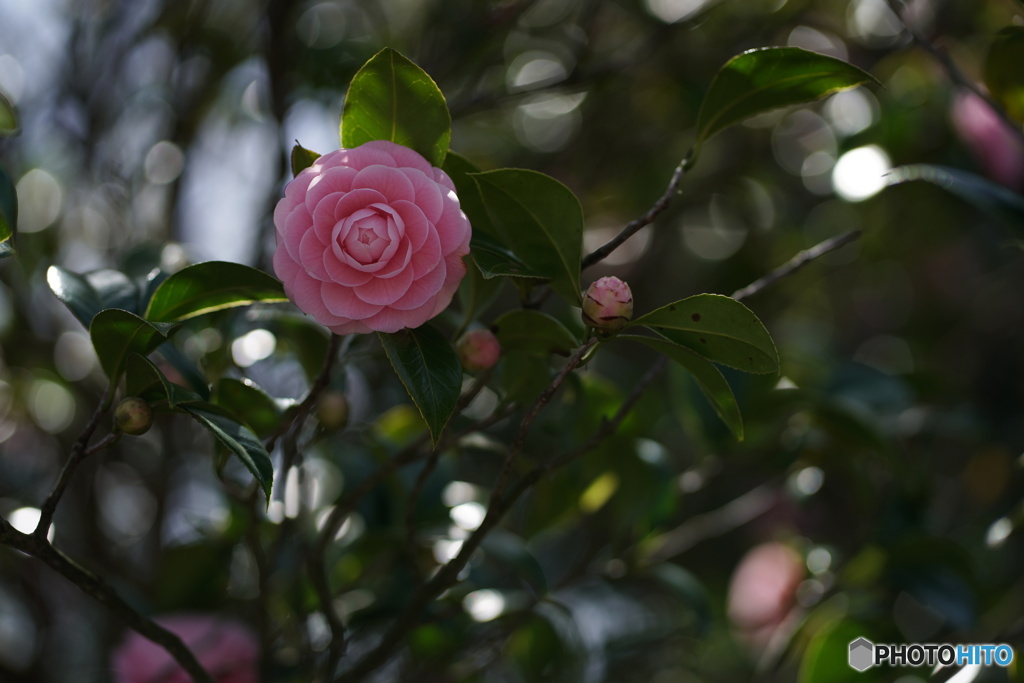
[[133, 416], [992, 143], [226, 649], [608, 304], [763, 591], [478, 350]]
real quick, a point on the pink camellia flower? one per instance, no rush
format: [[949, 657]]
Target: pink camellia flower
[[226, 649], [608, 304], [478, 350], [763, 591], [371, 239], [992, 143]]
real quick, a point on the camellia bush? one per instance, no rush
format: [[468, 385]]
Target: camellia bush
[[488, 469]]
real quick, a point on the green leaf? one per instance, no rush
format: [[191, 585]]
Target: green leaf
[[768, 78], [391, 98], [238, 438], [8, 117], [494, 260], [533, 332], [719, 328], [476, 293], [709, 379], [145, 380], [461, 171], [826, 659], [998, 201], [247, 400], [1002, 70], [186, 368], [523, 376], [429, 368], [211, 286], [117, 334], [507, 549], [541, 220], [302, 158], [87, 294], [8, 214]]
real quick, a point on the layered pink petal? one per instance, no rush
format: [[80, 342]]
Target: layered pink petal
[[422, 289], [453, 226], [428, 195], [311, 255], [385, 291], [342, 301], [390, 182], [403, 156], [333, 180]]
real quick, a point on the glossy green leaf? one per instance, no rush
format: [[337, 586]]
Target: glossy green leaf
[[144, 379], [1003, 73], [476, 293], [238, 438], [708, 377], [211, 286], [494, 260], [302, 158], [427, 365], [540, 220], [117, 334], [768, 78], [391, 98], [8, 117], [8, 214], [187, 368], [719, 328], [247, 400], [461, 171], [998, 201], [87, 294], [533, 332]]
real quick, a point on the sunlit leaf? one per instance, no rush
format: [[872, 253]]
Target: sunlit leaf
[[540, 220], [302, 158], [1002, 70], [391, 98], [533, 332], [238, 438], [8, 214], [998, 201], [116, 334], [87, 294], [494, 260], [427, 365], [708, 377], [211, 286], [461, 171], [719, 328], [768, 78]]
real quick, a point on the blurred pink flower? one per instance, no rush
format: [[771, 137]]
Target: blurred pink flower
[[226, 649], [478, 350], [371, 239], [763, 591], [993, 144]]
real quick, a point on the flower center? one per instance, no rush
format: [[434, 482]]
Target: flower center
[[368, 238]]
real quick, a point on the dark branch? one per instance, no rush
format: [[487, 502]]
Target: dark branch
[[93, 585], [796, 263]]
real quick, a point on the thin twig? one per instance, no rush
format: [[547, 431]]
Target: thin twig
[[79, 452], [448, 574], [796, 263], [89, 583], [953, 71], [531, 415], [636, 225], [298, 417]]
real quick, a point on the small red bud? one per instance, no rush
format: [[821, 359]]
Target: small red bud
[[608, 304], [133, 416], [478, 350]]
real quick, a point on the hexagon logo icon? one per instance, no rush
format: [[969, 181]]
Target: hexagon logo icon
[[862, 654]]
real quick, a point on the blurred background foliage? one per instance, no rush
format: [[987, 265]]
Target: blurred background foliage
[[883, 467]]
